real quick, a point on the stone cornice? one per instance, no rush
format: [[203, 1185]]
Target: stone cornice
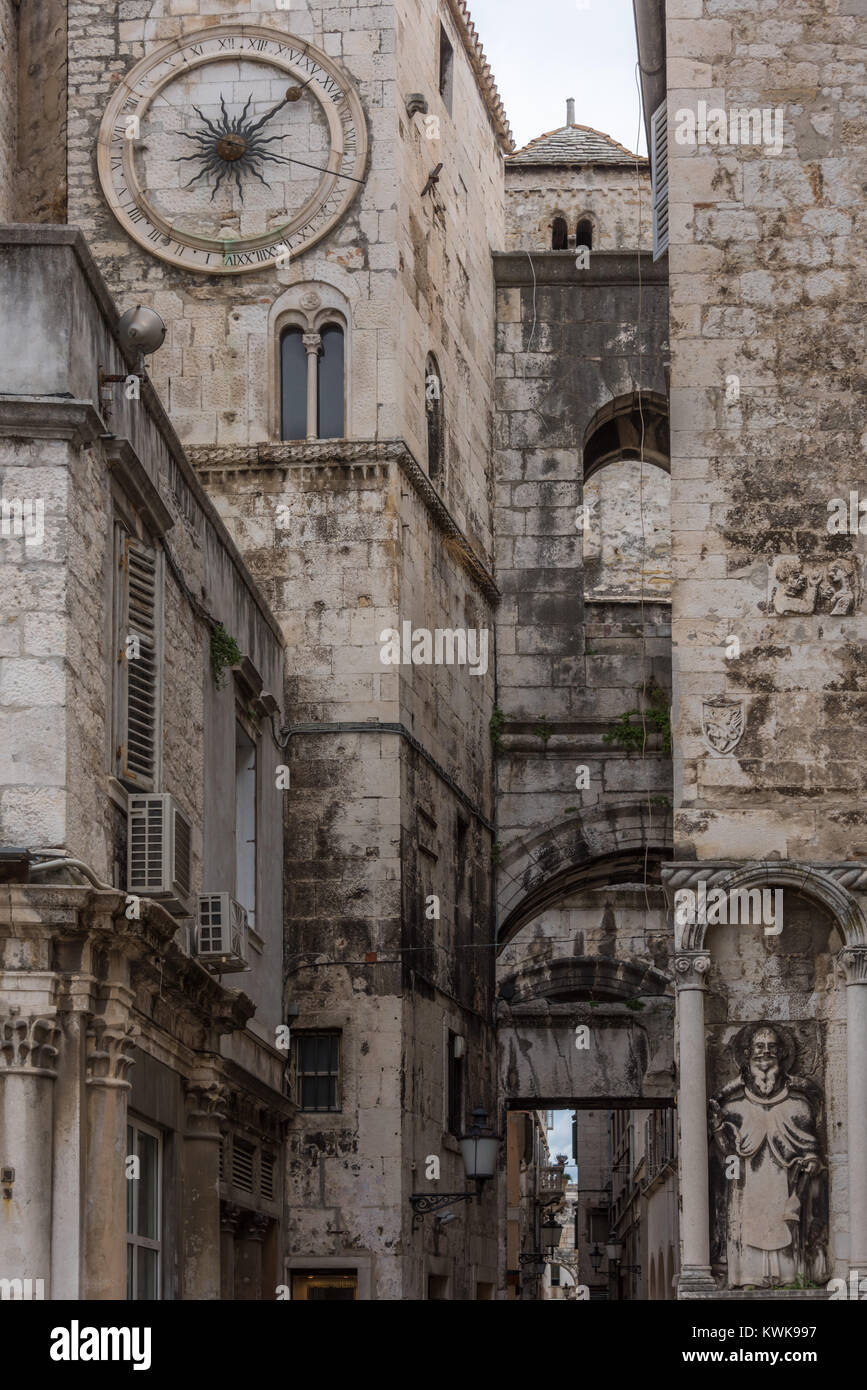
[[133, 477], [50, 417], [522, 269], [326, 454]]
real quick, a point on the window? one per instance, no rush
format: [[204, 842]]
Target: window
[[317, 1070], [138, 610], [312, 383], [245, 822], [455, 1097], [319, 1285], [447, 65], [437, 1286], [433, 395], [599, 1224], [143, 1213], [584, 234], [559, 234]]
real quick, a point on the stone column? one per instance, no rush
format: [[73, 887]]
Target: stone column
[[313, 344], [854, 961], [248, 1279], [109, 1060], [230, 1218], [28, 1054], [690, 970], [200, 1275]]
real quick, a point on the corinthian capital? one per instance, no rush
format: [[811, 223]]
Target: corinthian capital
[[853, 959], [206, 1104], [690, 968], [29, 1044], [110, 1049]]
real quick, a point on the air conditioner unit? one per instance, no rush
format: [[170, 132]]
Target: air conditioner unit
[[159, 850], [221, 938]]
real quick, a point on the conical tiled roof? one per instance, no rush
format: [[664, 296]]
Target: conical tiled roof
[[574, 144]]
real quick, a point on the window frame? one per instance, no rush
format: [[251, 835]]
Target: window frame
[[125, 537], [446, 69], [298, 1075], [298, 322], [134, 1241]]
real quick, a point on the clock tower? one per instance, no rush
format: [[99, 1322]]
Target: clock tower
[[309, 196]]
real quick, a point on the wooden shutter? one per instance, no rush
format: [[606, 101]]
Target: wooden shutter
[[139, 631], [659, 179]]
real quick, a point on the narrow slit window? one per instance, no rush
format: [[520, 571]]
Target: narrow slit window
[[584, 234], [559, 235], [447, 66]]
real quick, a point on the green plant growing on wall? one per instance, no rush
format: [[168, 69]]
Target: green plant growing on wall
[[496, 725], [544, 731], [496, 851], [224, 652], [656, 717]]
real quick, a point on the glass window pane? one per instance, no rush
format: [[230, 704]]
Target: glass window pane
[[332, 1053], [332, 1093], [330, 421], [148, 1195], [306, 1054], [148, 1265], [293, 377], [130, 1183]]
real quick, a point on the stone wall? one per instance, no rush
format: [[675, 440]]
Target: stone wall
[[766, 261], [8, 106], [616, 200]]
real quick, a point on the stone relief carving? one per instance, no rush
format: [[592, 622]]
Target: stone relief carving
[[769, 1185], [722, 724], [831, 585]]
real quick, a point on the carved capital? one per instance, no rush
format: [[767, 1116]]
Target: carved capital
[[29, 1045], [312, 342], [690, 968], [853, 961], [110, 1050], [206, 1105], [256, 1224], [230, 1217]]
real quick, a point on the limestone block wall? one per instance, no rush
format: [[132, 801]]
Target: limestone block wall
[[444, 244], [766, 260], [615, 199], [59, 646], [569, 664], [8, 107]]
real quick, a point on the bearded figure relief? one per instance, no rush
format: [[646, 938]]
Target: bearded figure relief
[[771, 1188]]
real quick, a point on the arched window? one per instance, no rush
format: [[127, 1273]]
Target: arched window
[[627, 532], [559, 235], [433, 397], [293, 384], [312, 383], [329, 417], [584, 233]]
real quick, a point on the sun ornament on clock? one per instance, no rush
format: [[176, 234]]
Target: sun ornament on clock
[[232, 148]]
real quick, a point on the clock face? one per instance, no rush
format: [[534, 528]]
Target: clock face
[[231, 149]]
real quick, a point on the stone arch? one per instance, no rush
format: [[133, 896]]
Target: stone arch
[[585, 231], [604, 844], [559, 233], [816, 883], [569, 978], [631, 426]]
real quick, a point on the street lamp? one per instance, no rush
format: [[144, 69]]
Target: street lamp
[[613, 1247], [479, 1149], [596, 1257], [551, 1233]]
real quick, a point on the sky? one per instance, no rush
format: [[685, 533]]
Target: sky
[[560, 1137], [543, 51]]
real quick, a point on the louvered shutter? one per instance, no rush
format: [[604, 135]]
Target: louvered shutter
[[140, 618], [659, 179]]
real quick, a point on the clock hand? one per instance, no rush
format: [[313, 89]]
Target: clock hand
[[292, 94]]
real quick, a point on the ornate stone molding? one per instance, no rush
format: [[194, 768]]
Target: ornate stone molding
[[29, 1045], [853, 963], [231, 1216], [50, 417], [206, 1106], [110, 1050], [832, 884], [690, 968], [256, 1223]]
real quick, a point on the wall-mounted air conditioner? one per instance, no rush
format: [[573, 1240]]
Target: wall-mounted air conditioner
[[159, 849], [221, 935]]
